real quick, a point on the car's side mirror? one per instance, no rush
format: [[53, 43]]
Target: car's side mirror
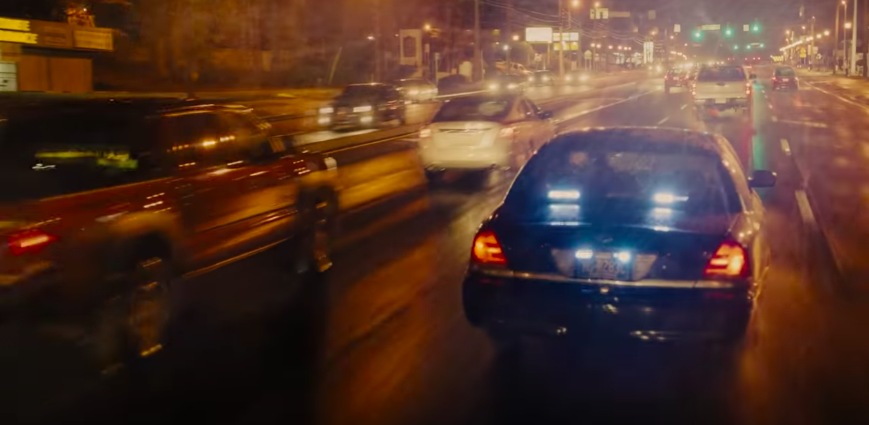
[[762, 179], [752, 76], [545, 115]]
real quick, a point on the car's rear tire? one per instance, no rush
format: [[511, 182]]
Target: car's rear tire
[[135, 323], [315, 243]]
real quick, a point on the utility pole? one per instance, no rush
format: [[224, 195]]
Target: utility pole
[[378, 55], [478, 53], [854, 41], [865, 38], [812, 45], [561, 38], [509, 30], [836, 43]]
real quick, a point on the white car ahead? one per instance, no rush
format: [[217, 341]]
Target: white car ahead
[[484, 132]]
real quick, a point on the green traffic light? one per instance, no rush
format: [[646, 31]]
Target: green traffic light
[[735, 47], [755, 28], [728, 32], [698, 34], [761, 45], [748, 47]]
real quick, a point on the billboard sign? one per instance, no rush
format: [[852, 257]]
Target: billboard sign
[[538, 34]]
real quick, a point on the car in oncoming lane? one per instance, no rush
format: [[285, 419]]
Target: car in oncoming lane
[[364, 106], [542, 78], [484, 132], [416, 89], [507, 83], [649, 233], [784, 78]]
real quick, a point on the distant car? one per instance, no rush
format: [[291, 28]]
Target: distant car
[[416, 89], [363, 106], [577, 77], [507, 83], [676, 77], [655, 234], [655, 69], [484, 132], [542, 78], [784, 77]]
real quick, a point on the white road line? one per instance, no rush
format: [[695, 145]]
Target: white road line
[[805, 208], [683, 106], [846, 100], [665, 119], [806, 123], [588, 111], [785, 146]]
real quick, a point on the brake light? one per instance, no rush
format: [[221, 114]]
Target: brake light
[[747, 88], [424, 133], [507, 132], [29, 242], [730, 260], [487, 249]]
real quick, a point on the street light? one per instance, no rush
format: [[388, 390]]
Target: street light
[[371, 37], [574, 3], [847, 25], [427, 27], [506, 47], [597, 4], [515, 37], [827, 33]]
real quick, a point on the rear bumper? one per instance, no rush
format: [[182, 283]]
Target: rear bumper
[[548, 307], [463, 159], [790, 85], [729, 103]]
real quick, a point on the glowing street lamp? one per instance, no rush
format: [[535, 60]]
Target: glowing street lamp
[[427, 27], [515, 37], [575, 3], [847, 25], [827, 33]]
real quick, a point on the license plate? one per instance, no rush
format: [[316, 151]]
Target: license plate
[[604, 266], [786, 80], [720, 100]]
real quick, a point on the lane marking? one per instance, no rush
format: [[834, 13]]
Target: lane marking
[[663, 120], [844, 99], [588, 111], [805, 123], [785, 146], [805, 208], [683, 106]]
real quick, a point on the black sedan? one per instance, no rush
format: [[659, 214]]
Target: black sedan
[[784, 78], [363, 106], [655, 234]]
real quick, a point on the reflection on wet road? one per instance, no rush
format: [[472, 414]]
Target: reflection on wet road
[[383, 339]]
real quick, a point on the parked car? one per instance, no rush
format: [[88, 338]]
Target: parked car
[[785, 78], [416, 89], [108, 204], [364, 106], [646, 233], [484, 132]]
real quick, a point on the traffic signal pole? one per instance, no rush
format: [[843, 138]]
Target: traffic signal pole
[[561, 38]]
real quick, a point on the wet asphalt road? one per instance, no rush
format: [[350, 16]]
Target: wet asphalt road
[[383, 341]]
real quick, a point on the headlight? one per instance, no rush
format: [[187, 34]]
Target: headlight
[[511, 86], [327, 110], [530, 79], [493, 86], [545, 78], [568, 78], [366, 108], [583, 77], [413, 92]]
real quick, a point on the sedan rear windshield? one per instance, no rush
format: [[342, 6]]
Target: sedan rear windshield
[[730, 73], [61, 155], [623, 182], [474, 109], [784, 72]]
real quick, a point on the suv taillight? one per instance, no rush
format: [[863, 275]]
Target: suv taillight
[[729, 261], [29, 242], [487, 250]]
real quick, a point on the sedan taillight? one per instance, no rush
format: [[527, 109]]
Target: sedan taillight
[[729, 261], [487, 250], [29, 242]]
